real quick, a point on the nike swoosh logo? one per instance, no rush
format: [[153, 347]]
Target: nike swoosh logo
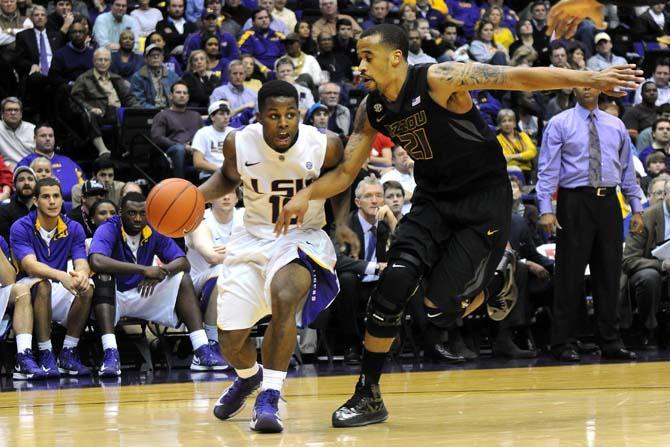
[[433, 315], [399, 265], [379, 120], [308, 243], [491, 232], [247, 164]]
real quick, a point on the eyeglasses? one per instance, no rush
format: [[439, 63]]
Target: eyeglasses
[[658, 194]]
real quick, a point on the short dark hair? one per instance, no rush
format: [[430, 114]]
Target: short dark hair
[[132, 197], [661, 62], [392, 184], [41, 125], [645, 84], [657, 122], [275, 89], [49, 181], [340, 22], [179, 82], [256, 11], [663, 108], [102, 163], [392, 36]]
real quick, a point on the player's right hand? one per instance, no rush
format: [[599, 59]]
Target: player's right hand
[[549, 223], [613, 80], [296, 207]]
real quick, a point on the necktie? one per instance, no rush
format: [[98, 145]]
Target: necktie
[[595, 169], [44, 60], [372, 244]]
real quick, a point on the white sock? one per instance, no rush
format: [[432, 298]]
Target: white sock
[[272, 379], [23, 342], [70, 342], [249, 372], [212, 332], [108, 341], [198, 338], [42, 345]]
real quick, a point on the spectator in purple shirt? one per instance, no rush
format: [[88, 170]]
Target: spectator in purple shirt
[[125, 246], [43, 244], [587, 154]]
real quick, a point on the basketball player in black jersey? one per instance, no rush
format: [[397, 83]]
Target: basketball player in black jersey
[[454, 237]]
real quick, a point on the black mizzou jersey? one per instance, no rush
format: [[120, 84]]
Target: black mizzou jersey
[[454, 153]]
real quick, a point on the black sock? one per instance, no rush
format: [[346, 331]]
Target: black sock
[[371, 369]]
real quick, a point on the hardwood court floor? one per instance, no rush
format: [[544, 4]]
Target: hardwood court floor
[[609, 405]]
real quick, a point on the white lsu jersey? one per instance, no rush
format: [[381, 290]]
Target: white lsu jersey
[[270, 178]]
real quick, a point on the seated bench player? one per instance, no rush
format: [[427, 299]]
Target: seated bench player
[[17, 298], [125, 246], [207, 250], [42, 244]]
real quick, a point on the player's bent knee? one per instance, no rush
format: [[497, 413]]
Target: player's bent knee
[[41, 289], [232, 342], [397, 284]]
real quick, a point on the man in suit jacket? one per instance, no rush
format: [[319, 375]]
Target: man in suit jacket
[[373, 222], [175, 27], [33, 61], [647, 28], [645, 272]]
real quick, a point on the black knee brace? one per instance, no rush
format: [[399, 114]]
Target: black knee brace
[[397, 283], [105, 289]]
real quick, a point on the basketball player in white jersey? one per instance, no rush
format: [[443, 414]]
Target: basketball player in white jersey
[[206, 251], [290, 277]]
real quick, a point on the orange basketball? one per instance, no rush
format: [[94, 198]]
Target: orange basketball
[[175, 207]]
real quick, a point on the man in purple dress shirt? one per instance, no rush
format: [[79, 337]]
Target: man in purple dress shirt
[[586, 154]]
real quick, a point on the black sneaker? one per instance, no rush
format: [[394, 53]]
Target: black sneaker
[[362, 409]]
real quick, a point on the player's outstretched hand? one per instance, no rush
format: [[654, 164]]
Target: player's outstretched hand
[[615, 79], [346, 236], [566, 15], [295, 208]]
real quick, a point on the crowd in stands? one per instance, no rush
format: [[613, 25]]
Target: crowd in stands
[[70, 70]]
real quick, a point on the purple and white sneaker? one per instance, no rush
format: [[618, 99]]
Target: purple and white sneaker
[[265, 418], [26, 367], [69, 363], [111, 364], [206, 359], [48, 364], [233, 398]]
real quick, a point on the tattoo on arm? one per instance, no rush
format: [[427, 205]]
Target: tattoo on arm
[[471, 74]]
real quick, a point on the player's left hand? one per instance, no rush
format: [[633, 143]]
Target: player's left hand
[[296, 207], [613, 80], [566, 15], [636, 223]]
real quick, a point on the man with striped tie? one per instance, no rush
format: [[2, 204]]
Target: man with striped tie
[[586, 154]]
